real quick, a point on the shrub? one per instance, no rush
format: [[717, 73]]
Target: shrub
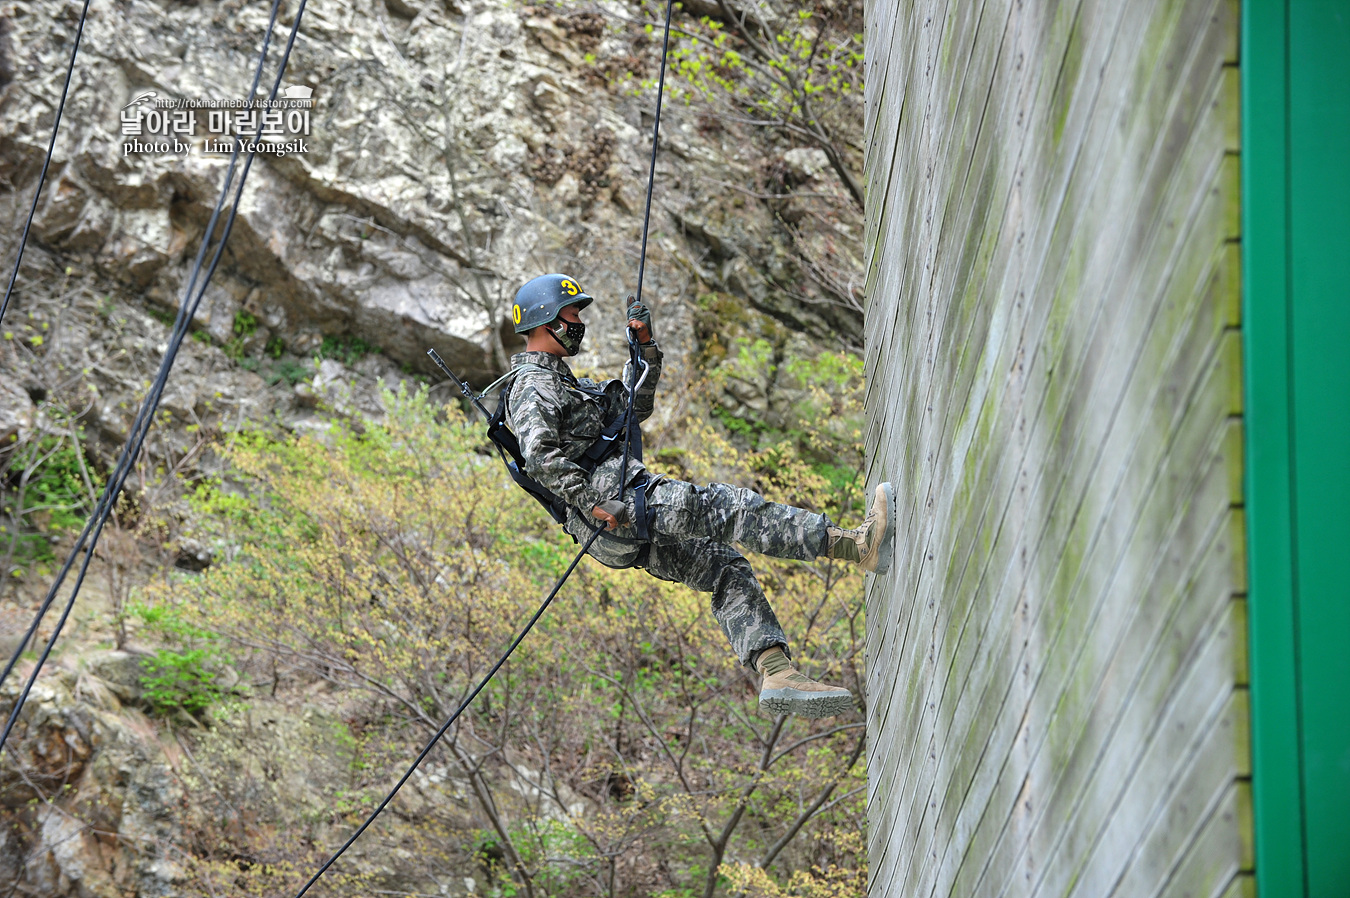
[[49, 491], [348, 350], [621, 750], [289, 371], [186, 674], [174, 680]]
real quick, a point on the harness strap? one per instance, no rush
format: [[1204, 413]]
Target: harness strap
[[507, 445], [641, 509], [643, 514], [507, 377], [604, 445]]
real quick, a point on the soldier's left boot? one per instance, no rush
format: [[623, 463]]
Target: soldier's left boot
[[787, 691], [870, 546]]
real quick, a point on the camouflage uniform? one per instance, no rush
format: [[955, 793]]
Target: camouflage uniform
[[557, 417]]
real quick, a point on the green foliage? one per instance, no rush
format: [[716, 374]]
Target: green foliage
[[275, 347], [742, 427], [348, 350], [801, 71], [58, 486], [398, 560], [243, 327], [244, 324], [291, 372], [47, 493], [816, 421], [185, 675], [179, 680]]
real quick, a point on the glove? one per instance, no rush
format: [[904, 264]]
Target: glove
[[638, 311], [615, 509]]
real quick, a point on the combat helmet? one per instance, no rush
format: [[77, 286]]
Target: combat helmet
[[542, 298]]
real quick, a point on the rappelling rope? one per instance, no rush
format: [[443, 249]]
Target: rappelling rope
[[46, 163], [141, 426], [431, 743], [634, 380], [656, 139]]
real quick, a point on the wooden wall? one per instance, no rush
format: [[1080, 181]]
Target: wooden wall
[[1057, 672]]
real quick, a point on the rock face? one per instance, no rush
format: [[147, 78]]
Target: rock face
[[100, 801], [453, 152], [74, 739], [455, 149], [16, 413]]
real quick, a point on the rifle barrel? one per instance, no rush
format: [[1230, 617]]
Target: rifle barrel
[[463, 384]]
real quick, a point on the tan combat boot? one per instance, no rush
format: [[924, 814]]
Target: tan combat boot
[[786, 691], [870, 545]]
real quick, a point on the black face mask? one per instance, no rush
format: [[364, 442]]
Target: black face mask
[[569, 334]]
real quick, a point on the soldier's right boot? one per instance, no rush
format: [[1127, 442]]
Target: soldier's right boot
[[870, 546], [785, 690]]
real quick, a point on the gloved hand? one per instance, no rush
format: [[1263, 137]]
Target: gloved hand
[[612, 512], [640, 320]]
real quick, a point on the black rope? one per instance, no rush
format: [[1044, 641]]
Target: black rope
[[42, 178], [656, 136], [431, 743], [123, 462], [141, 427], [635, 361]]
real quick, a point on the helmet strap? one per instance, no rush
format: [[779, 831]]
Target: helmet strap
[[567, 334]]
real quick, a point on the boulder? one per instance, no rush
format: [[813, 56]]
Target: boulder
[[16, 413], [120, 671]]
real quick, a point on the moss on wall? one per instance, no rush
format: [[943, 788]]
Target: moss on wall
[[1057, 680]]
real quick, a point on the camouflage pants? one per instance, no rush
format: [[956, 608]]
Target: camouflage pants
[[692, 529]]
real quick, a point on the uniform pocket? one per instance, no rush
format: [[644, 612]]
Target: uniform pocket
[[674, 508]]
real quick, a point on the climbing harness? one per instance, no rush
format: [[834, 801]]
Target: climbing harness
[[508, 447], [515, 463], [46, 163], [192, 297]]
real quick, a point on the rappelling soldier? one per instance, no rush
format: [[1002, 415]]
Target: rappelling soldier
[[675, 530]]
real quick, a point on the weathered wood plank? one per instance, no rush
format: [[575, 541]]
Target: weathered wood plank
[[1080, 599], [1052, 372], [1219, 852], [1059, 35], [1142, 638], [1100, 331], [1176, 814], [1187, 286]]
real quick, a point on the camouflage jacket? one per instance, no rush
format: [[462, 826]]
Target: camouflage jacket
[[557, 417]]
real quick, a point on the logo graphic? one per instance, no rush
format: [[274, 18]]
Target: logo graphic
[[297, 92], [147, 97]]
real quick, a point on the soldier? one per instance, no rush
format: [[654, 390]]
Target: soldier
[[675, 530]]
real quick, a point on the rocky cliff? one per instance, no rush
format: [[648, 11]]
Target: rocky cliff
[[453, 150]]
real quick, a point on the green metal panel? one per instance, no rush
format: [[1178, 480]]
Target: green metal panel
[[1319, 250], [1277, 792], [1296, 325]]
